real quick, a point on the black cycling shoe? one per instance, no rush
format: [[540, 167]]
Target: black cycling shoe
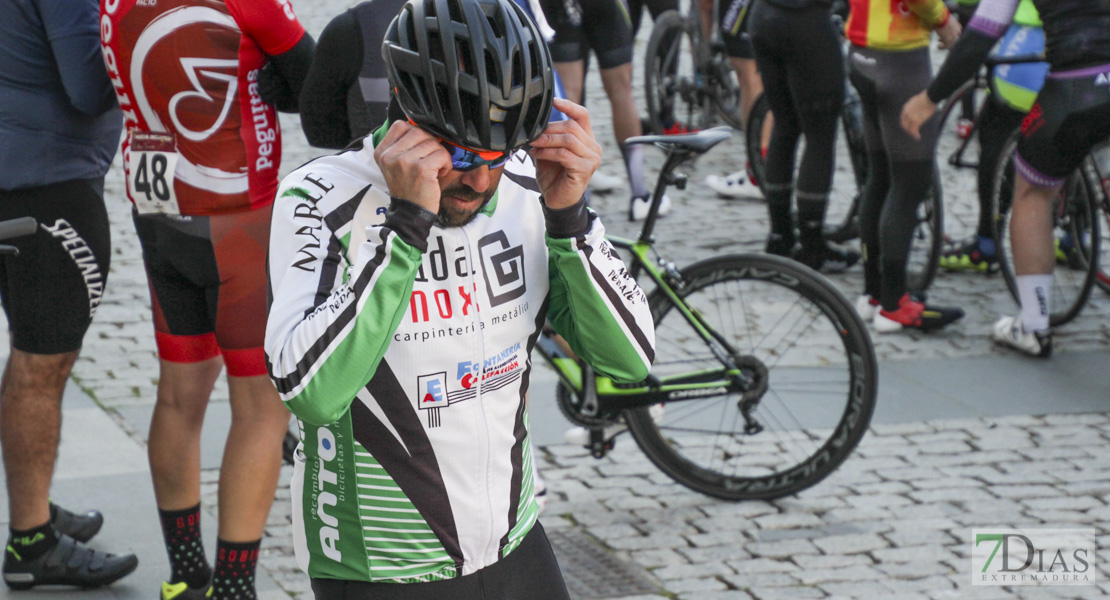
[[780, 245], [81, 527], [69, 562], [826, 258]]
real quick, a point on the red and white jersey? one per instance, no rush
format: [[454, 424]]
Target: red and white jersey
[[190, 68]]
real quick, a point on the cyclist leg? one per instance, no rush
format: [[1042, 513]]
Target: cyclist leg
[[568, 46], [177, 254], [50, 293], [1067, 121], [878, 181], [778, 186], [252, 454]]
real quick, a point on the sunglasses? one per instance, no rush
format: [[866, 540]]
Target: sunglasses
[[465, 159]]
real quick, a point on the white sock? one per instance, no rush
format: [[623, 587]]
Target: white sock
[[1035, 293], [634, 164]]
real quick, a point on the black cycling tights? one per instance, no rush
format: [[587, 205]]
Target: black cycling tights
[[528, 573], [799, 59], [996, 125], [887, 217]]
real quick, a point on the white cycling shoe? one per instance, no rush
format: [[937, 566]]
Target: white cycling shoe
[[603, 183], [1008, 331], [736, 185], [638, 208]]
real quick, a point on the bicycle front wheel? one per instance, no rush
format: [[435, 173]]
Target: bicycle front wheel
[[798, 335], [1075, 236]]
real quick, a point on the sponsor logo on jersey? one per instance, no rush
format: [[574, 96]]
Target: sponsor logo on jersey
[[310, 221], [83, 257], [502, 268], [329, 492], [434, 392], [1103, 79]]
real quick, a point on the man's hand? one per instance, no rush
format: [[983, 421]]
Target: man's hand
[[949, 33], [412, 161], [566, 156], [916, 111]]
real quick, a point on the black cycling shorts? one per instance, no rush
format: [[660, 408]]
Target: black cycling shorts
[[734, 31], [208, 286], [528, 573], [1071, 116], [51, 290], [603, 26]]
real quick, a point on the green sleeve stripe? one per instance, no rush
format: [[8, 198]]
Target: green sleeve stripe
[[588, 312], [346, 365]]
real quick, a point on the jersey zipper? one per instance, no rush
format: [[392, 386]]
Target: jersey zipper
[[478, 398]]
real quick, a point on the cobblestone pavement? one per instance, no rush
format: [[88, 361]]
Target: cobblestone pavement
[[895, 519]]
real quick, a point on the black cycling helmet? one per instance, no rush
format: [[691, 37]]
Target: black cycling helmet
[[476, 73]]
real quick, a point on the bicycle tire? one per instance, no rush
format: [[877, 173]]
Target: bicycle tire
[[1075, 219], [961, 219], [824, 352], [673, 77], [925, 245], [849, 180], [1102, 273], [753, 138]]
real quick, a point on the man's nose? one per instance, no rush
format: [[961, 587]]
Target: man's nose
[[477, 179]]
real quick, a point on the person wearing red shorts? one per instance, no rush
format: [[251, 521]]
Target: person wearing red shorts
[[201, 159]]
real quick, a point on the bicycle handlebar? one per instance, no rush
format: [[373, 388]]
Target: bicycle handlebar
[[20, 227]]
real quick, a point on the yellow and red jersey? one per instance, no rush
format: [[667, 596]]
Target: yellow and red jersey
[[894, 24]]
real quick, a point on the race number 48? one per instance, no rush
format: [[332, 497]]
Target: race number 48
[[151, 165]]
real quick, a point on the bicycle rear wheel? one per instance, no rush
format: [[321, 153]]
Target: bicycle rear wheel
[[1075, 230], [958, 166], [921, 263], [816, 359], [674, 81]]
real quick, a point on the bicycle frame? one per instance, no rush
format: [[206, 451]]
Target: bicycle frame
[[730, 378]]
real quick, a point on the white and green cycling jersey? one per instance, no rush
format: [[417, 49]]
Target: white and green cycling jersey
[[403, 349]]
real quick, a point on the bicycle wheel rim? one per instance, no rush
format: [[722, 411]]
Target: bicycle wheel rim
[[821, 380]]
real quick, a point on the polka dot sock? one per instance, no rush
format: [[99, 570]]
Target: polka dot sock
[[181, 531], [235, 566]]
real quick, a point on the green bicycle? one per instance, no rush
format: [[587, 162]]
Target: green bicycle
[[764, 378]]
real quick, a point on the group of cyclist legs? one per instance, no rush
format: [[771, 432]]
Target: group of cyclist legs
[[801, 70]]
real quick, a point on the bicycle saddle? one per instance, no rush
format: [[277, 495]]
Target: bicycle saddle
[[697, 143]]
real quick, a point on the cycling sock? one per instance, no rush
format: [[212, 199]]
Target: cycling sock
[[29, 544], [1035, 293], [778, 207], [634, 164], [181, 532], [811, 218], [236, 563]]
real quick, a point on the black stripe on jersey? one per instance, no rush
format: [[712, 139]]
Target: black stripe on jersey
[[317, 349], [520, 432], [334, 221], [617, 301], [413, 465], [528, 183]]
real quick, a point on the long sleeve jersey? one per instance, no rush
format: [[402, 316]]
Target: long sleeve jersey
[[403, 348]]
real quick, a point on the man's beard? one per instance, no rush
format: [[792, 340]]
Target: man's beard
[[450, 216]]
